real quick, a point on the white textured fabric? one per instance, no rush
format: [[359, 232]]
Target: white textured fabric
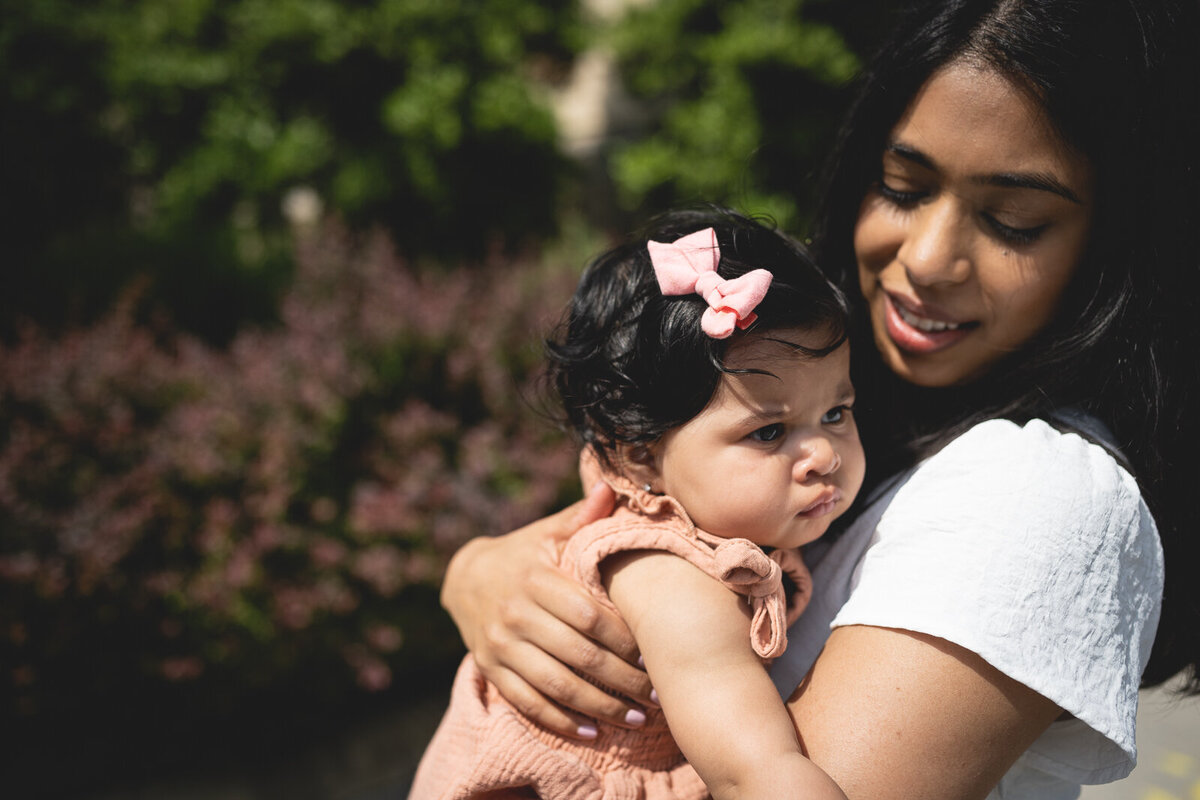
[[1029, 546]]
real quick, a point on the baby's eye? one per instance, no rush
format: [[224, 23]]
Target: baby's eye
[[768, 433], [835, 415]]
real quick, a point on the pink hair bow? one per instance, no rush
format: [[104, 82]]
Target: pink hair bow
[[689, 264]]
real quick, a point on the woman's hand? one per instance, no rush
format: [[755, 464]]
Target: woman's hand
[[528, 624]]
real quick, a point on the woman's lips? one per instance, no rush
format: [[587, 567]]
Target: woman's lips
[[921, 335]]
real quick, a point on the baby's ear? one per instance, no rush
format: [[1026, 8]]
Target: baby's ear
[[639, 463]]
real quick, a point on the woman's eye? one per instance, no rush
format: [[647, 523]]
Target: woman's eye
[[768, 433], [835, 415], [1013, 235], [898, 197]]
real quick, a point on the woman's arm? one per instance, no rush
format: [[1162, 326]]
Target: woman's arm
[[527, 624], [953, 724], [723, 710], [1030, 550], [895, 714]]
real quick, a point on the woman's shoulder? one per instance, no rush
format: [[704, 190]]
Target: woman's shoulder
[[1030, 545], [1065, 457], [1069, 432], [1023, 502], [1034, 508]]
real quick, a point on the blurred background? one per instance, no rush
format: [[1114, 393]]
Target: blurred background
[[274, 280]]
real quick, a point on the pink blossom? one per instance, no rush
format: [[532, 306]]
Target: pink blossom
[[325, 552], [323, 510], [371, 672], [23, 675], [384, 638], [181, 668], [241, 567], [380, 566], [19, 567], [377, 510], [225, 496], [294, 606]]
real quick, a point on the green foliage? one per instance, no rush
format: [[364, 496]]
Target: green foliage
[[138, 125], [746, 93]]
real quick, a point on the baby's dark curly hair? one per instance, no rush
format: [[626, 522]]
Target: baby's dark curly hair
[[630, 364]]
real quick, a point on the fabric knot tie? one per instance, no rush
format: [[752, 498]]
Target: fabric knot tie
[[748, 570], [689, 264], [793, 566]]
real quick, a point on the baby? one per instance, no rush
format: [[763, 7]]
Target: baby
[[706, 369]]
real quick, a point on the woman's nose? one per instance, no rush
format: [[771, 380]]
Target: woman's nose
[[818, 458], [935, 247]]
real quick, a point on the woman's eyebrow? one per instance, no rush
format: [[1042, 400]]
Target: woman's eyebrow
[[1041, 181], [1032, 180], [910, 154]]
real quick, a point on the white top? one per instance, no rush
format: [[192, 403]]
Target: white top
[[1028, 546]]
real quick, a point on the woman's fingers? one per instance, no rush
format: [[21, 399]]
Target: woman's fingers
[[584, 635], [555, 695], [533, 705], [545, 651], [563, 598], [597, 504], [567, 688], [530, 626]]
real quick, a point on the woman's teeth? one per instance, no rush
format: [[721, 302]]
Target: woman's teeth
[[923, 324]]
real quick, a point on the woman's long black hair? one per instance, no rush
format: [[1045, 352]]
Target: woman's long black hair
[[1120, 82]]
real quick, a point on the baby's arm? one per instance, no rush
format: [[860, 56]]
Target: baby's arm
[[722, 708]]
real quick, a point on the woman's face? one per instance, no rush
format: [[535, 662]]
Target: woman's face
[[978, 221]]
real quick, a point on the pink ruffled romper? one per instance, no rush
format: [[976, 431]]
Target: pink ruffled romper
[[485, 748]]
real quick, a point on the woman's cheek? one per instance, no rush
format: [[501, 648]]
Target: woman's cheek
[[877, 237]]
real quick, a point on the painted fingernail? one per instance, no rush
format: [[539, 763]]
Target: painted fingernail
[[654, 697], [641, 662], [635, 717], [586, 731]]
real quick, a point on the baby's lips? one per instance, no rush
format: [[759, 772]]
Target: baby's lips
[[830, 496]]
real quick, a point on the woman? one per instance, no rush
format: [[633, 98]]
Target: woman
[[1011, 207]]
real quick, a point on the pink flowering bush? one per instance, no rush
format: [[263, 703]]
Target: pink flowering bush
[[174, 515]]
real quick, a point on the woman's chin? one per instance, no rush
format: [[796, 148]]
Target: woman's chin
[[930, 371]]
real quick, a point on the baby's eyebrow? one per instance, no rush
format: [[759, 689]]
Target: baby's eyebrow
[[846, 393], [761, 416]]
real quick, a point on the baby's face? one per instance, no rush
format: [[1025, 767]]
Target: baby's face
[[772, 458]]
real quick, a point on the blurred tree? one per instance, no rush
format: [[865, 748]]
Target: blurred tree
[[188, 532], [746, 96], [142, 136], [187, 529]]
